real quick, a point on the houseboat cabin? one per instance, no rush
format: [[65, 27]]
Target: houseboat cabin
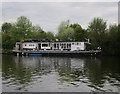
[[47, 45]]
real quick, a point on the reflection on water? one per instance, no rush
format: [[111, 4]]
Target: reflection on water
[[60, 74]]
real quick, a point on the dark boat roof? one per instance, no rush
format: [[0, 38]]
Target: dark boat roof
[[37, 40], [48, 40]]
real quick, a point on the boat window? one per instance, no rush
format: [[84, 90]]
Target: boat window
[[61, 45], [69, 45], [72, 43], [44, 45], [77, 43], [54, 45], [25, 45], [64, 45], [57, 45]]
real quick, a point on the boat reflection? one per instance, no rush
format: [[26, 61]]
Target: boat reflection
[[98, 74]]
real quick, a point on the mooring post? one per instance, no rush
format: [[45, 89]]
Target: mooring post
[[22, 53], [17, 54], [26, 54]]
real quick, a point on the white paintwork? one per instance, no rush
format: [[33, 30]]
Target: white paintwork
[[80, 46], [30, 45], [75, 46], [47, 47]]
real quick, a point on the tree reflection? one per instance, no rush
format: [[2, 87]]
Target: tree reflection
[[94, 72]]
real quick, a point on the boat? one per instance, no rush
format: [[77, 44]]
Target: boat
[[43, 47]]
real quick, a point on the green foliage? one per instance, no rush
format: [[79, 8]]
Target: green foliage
[[79, 33], [21, 30], [107, 39], [68, 34], [50, 35], [6, 27], [111, 45], [24, 27], [63, 25], [72, 31], [97, 31], [38, 32], [41, 35], [6, 39]]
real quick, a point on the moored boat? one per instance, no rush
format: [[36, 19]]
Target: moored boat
[[40, 47]]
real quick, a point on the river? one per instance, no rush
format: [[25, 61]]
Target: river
[[60, 74]]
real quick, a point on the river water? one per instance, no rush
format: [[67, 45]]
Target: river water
[[60, 74]]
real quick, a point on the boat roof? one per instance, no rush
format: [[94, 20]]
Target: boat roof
[[48, 40]]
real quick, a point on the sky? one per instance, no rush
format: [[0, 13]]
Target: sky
[[48, 15]]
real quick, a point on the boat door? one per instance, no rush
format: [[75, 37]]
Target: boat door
[[39, 46], [18, 46]]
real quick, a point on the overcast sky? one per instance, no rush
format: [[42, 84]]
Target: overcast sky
[[49, 15]]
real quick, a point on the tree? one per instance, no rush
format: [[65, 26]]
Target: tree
[[11, 33], [50, 36], [36, 30], [63, 25], [6, 41], [24, 27], [97, 31], [41, 35], [79, 33], [21, 30], [68, 34], [6, 38], [111, 45], [72, 31], [6, 27]]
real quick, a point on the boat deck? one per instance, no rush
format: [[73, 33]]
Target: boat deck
[[58, 53]]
